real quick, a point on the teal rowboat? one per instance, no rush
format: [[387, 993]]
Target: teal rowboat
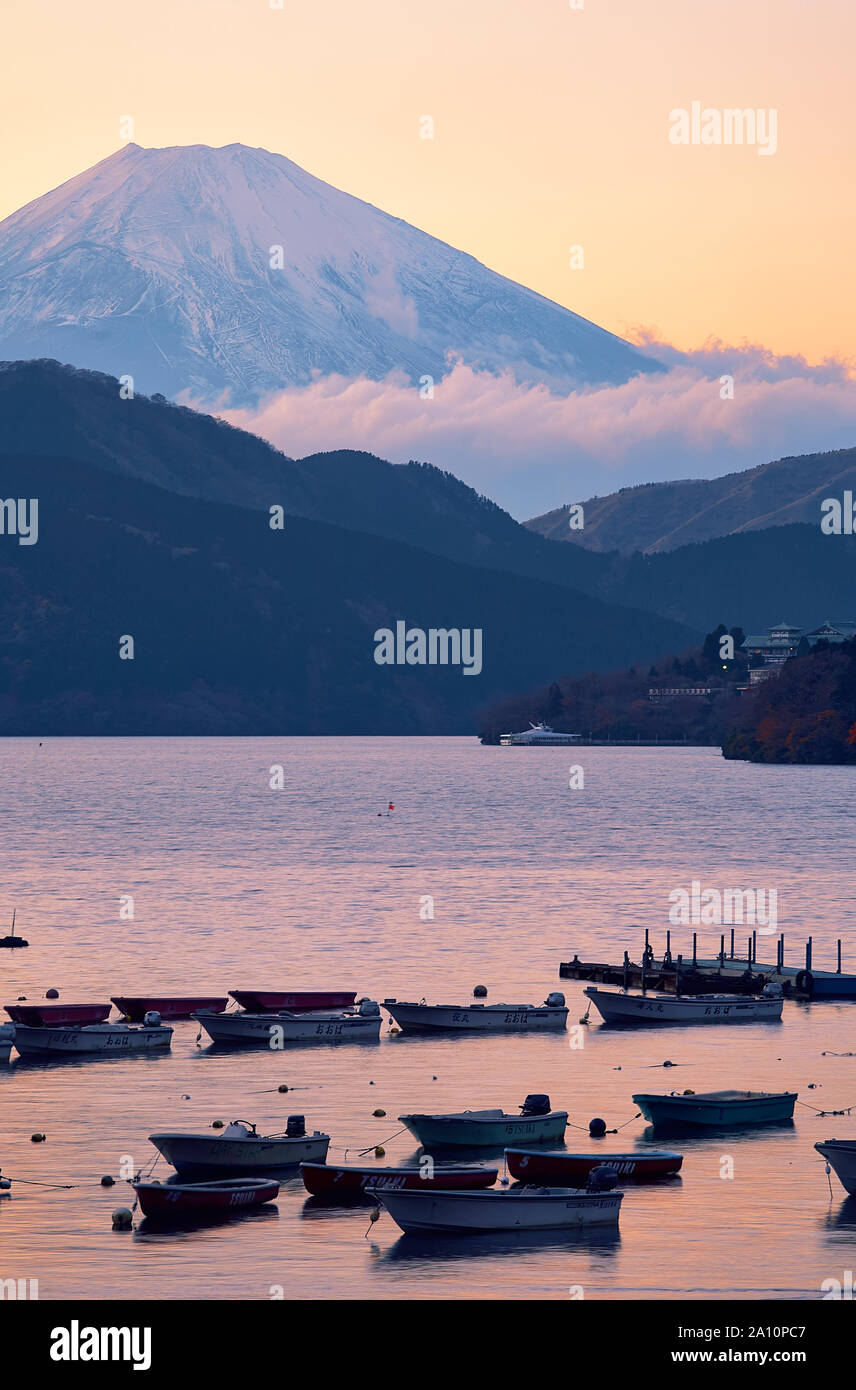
[[486, 1129], [718, 1108]]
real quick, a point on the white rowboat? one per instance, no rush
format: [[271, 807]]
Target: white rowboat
[[619, 1007], [93, 1038], [275, 1030], [478, 1018], [504, 1209]]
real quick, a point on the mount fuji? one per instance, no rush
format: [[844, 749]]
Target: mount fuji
[[229, 273]]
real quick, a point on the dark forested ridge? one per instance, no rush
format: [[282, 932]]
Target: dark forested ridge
[[239, 628], [805, 714]]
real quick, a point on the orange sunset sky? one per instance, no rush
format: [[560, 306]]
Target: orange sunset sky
[[551, 129]]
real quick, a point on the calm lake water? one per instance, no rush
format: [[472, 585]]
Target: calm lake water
[[237, 885]]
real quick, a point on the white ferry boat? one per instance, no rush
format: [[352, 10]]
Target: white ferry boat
[[538, 734]]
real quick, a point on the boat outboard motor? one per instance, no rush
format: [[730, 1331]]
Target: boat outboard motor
[[296, 1127], [536, 1105], [556, 1000], [152, 1018], [772, 990], [602, 1178], [369, 1009]]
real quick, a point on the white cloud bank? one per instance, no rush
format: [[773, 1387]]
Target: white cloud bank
[[531, 450]]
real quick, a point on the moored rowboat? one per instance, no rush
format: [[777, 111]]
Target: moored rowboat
[[183, 1199], [135, 1007], [504, 1209], [240, 1150], [538, 1124], [262, 1001], [93, 1038], [840, 1154], [619, 1007], [328, 1180], [57, 1015], [274, 1030], [718, 1108], [534, 1165], [478, 1018]]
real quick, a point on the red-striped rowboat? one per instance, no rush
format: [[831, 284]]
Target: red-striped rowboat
[[330, 1180], [57, 1015], [534, 1165], [264, 1001], [136, 1006], [191, 1198]]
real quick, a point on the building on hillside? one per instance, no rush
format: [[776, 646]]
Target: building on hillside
[[768, 652]]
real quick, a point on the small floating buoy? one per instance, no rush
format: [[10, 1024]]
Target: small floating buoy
[[433, 1078], [5, 1184], [378, 1114], [480, 992], [21, 998], [37, 1138], [371, 1083], [216, 1124], [122, 1219], [52, 994], [597, 1128], [393, 1032], [282, 1089], [380, 1151], [668, 1064], [107, 1181], [374, 1215]]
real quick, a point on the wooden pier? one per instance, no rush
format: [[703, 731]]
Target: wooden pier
[[725, 973]]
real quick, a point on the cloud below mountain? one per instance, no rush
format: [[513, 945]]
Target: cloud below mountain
[[531, 449]]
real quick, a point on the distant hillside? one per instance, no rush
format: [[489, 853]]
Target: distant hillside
[[662, 516]]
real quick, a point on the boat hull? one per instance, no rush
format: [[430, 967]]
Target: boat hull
[[201, 1153], [698, 1111], [135, 1007], [57, 1015], [174, 1200], [97, 1038], [533, 1165], [528, 1209], [275, 1030], [327, 1180], [485, 1131], [658, 1009], [841, 1158], [475, 1018], [261, 1001]]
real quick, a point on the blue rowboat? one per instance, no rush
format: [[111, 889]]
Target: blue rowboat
[[486, 1129], [718, 1108]]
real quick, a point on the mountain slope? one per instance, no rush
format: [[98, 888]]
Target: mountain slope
[[663, 516], [242, 629], [162, 264]]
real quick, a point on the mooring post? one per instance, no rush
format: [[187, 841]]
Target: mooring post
[[695, 948], [667, 959], [754, 947], [839, 955], [678, 974], [808, 954], [783, 950], [721, 949], [749, 951], [732, 943], [626, 970], [644, 969]]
